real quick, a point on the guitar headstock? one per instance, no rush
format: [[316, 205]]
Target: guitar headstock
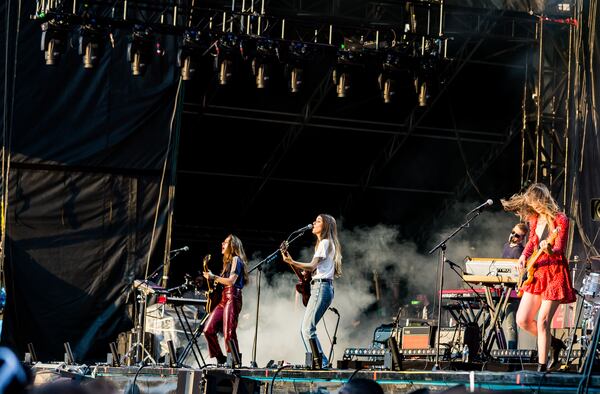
[[284, 247], [205, 261]]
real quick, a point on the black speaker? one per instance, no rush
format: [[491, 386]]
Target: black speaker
[[595, 209]]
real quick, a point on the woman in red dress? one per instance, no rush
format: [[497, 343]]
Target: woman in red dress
[[551, 285]]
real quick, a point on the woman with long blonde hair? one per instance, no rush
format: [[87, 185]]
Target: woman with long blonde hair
[[325, 265], [551, 285], [233, 277]]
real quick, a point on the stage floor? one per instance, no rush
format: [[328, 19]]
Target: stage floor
[[152, 379]]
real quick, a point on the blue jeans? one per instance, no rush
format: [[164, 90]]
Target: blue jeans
[[321, 296]]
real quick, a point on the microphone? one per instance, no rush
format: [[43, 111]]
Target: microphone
[[307, 227], [334, 310], [452, 263], [479, 208], [184, 249]]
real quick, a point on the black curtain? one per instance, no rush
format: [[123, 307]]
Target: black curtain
[[87, 148]]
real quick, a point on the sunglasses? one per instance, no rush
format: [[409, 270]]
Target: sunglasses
[[513, 234]]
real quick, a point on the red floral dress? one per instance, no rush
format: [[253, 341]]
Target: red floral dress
[[551, 278]]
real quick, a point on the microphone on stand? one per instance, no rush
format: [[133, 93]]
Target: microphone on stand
[[184, 249], [307, 227], [479, 208]]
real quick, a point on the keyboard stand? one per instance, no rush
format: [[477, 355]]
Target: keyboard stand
[[497, 312], [191, 336]]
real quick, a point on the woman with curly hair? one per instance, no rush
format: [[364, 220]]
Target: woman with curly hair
[[551, 284]]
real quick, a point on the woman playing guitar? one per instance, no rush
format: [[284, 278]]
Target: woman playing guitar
[[326, 263], [549, 284], [234, 276]]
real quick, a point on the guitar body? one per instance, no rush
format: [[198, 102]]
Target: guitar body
[[304, 278], [531, 266], [303, 285], [214, 291], [213, 297]]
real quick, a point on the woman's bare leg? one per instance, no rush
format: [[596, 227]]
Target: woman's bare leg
[[547, 311]]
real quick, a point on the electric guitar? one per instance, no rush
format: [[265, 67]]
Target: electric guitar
[[530, 266], [304, 277], [213, 292]]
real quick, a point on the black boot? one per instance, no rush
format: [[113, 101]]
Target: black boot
[[541, 368], [221, 359], [556, 345]]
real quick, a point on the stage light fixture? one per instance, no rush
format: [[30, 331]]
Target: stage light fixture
[[139, 51], [226, 50], [348, 61], [295, 59], [389, 75], [421, 87], [264, 53], [55, 36], [90, 45], [195, 45]]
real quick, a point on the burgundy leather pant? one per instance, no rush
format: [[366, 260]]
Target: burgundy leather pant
[[224, 318]]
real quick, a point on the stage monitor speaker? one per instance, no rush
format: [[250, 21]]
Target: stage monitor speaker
[[417, 337], [217, 382], [595, 209]]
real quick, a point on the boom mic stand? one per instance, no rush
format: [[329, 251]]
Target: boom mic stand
[[442, 247], [138, 349], [270, 258]]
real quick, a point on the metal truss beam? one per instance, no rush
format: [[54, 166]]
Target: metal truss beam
[[352, 125], [311, 182]]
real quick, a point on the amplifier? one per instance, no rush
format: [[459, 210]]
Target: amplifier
[[455, 338], [417, 337], [384, 332]]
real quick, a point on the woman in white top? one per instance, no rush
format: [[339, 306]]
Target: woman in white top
[[325, 265]]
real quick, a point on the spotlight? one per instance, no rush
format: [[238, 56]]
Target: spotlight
[[342, 81], [295, 59], [55, 35], [264, 53], [390, 73], [226, 48], [348, 60], [90, 46], [195, 45], [421, 88], [295, 79], [139, 51]]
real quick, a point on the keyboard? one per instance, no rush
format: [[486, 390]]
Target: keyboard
[[489, 279], [493, 267], [468, 294], [178, 301]]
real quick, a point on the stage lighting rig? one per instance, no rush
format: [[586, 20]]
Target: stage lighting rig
[[55, 39], [347, 62], [139, 50], [227, 49], [91, 43], [427, 68], [264, 54], [295, 59], [196, 45], [396, 64]]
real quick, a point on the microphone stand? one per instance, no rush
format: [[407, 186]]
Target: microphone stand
[[334, 340], [142, 354], [270, 258], [442, 247]]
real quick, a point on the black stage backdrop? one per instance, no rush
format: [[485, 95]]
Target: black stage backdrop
[[88, 147]]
